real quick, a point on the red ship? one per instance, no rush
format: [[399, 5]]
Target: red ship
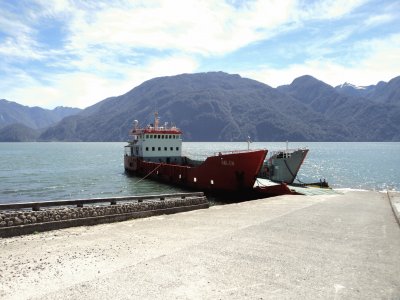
[[155, 152]]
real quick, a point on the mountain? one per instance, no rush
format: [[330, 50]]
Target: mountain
[[216, 106], [33, 117], [18, 133], [321, 97], [352, 90], [211, 106], [367, 120], [383, 92]]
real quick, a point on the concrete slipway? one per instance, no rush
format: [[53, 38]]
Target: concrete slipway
[[340, 246]]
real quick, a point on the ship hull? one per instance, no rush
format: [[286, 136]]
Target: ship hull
[[283, 167], [226, 172]]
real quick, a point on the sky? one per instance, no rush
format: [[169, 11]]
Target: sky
[[77, 53]]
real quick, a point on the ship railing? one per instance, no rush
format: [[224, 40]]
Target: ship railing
[[272, 152], [36, 206], [205, 155], [233, 152], [150, 130]]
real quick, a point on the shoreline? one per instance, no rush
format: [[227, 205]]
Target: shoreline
[[338, 189]]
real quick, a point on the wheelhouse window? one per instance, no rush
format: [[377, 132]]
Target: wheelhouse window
[[153, 148], [177, 148]]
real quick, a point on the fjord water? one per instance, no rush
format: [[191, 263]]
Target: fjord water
[[51, 171]]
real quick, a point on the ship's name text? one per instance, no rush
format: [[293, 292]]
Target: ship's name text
[[229, 163]]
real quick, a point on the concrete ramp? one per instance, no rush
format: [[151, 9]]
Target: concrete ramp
[[337, 246]]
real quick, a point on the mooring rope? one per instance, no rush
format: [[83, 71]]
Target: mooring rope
[[148, 174]]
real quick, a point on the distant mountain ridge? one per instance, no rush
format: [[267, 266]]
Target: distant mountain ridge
[[217, 106], [383, 92], [375, 117], [33, 117]]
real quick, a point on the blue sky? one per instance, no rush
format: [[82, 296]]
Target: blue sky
[[76, 53]]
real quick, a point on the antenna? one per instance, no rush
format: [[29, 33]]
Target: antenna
[[248, 142]]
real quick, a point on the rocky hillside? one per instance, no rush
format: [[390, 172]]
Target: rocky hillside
[[217, 106], [207, 106], [367, 118], [18, 133]]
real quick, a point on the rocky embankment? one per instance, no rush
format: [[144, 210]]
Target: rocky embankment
[[92, 214]]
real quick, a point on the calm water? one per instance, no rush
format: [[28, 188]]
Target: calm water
[[48, 171]]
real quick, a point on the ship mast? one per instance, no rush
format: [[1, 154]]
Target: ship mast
[[156, 120]]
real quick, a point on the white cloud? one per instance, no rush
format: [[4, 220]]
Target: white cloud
[[10, 25], [53, 8], [338, 8], [82, 89], [17, 41], [194, 27], [202, 27], [113, 46], [378, 20], [380, 62], [327, 9], [99, 36], [20, 47]]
